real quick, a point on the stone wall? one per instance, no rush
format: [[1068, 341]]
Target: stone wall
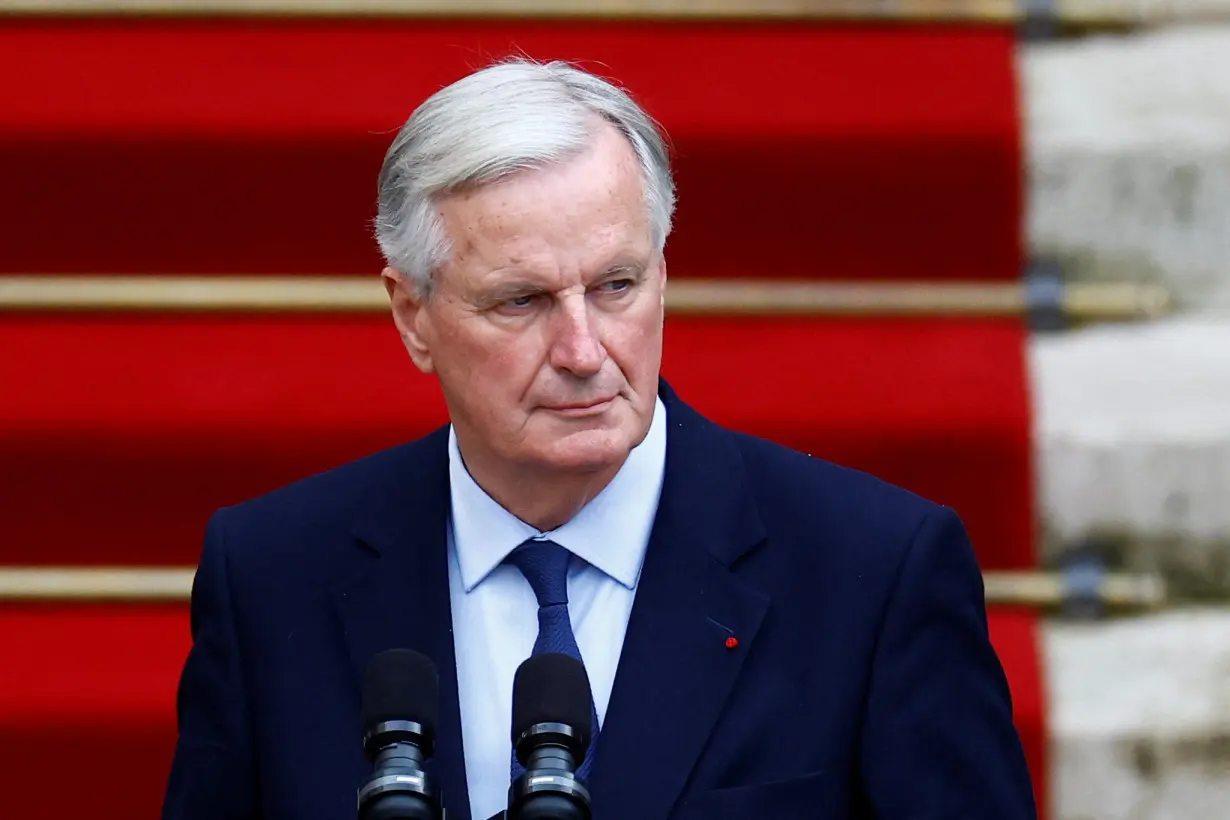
[[1128, 151], [1128, 157], [1140, 717]]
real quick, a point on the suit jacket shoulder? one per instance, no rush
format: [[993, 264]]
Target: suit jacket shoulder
[[789, 482], [275, 530], [835, 515]]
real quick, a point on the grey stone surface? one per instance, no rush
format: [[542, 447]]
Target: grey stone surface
[[1140, 717], [1128, 154], [1132, 426]]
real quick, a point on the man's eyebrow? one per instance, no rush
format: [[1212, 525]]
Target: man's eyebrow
[[518, 288], [622, 269], [509, 290]]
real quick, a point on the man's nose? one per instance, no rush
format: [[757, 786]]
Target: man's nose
[[576, 346]]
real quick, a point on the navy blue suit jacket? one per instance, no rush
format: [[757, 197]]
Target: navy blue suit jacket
[[863, 683]]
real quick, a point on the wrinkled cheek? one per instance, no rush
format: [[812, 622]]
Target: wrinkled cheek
[[504, 362], [479, 356], [503, 376], [638, 354]]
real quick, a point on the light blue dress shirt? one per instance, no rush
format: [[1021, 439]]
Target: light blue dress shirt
[[495, 614]]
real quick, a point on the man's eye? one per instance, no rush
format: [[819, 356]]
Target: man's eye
[[520, 301], [617, 285]]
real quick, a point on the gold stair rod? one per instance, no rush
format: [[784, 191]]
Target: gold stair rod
[[1079, 301], [1039, 590], [1088, 13]]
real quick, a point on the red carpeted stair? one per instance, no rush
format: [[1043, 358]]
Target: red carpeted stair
[[218, 147], [87, 709], [802, 150], [127, 432]]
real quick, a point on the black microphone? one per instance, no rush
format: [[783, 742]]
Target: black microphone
[[551, 731], [401, 694]]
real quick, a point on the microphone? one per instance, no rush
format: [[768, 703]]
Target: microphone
[[551, 731], [401, 693]]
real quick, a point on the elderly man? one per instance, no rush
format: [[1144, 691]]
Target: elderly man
[[766, 634]]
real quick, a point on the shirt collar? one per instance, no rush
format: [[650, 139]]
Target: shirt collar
[[611, 532]]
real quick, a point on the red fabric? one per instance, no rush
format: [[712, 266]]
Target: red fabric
[[803, 150], [252, 146], [1014, 634], [96, 684], [121, 435], [88, 693]]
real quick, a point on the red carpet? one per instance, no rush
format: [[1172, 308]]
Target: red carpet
[[802, 150], [843, 152], [123, 434], [88, 690]]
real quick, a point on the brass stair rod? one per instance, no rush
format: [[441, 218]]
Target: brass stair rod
[[1079, 301], [1039, 590], [1076, 12]]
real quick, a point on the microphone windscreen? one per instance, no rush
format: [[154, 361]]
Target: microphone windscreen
[[552, 688], [401, 684]]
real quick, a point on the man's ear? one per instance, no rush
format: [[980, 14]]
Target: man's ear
[[409, 317], [662, 273]]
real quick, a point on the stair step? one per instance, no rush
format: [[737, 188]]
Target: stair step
[[120, 435], [253, 146], [1133, 436], [1139, 716]]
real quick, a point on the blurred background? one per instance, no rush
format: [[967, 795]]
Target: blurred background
[[977, 248]]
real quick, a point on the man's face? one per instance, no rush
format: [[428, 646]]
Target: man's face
[[545, 326]]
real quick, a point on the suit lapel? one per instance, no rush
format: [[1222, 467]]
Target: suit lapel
[[676, 669], [400, 595]]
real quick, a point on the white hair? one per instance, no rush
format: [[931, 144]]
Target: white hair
[[511, 116]]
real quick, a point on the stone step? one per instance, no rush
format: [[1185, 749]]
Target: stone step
[[1140, 11], [1140, 717], [1132, 427], [1127, 143]]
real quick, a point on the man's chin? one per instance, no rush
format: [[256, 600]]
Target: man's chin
[[588, 451]]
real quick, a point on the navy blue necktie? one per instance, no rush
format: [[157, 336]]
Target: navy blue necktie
[[545, 565]]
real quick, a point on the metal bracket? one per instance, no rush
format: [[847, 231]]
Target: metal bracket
[[1084, 575], [1039, 20], [1044, 295]]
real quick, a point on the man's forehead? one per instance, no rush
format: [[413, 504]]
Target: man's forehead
[[540, 248]]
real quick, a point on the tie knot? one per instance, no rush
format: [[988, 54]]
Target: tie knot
[[545, 565]]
